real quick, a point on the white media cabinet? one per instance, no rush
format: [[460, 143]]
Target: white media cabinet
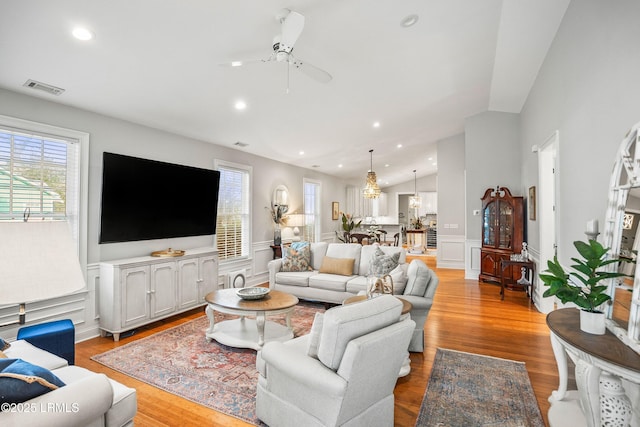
[[136, 291]]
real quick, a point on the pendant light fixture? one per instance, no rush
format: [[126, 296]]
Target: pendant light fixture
[[415, 201], [371, 190]]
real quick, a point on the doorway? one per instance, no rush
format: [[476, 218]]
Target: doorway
[[547, 182]]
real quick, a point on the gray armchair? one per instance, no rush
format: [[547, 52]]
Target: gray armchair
[[421, 287], [342, 373]]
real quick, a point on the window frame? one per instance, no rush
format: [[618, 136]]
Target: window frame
[[76, 213], [217, 165]]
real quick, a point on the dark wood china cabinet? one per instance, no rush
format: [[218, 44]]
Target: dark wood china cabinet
[[502, 232]]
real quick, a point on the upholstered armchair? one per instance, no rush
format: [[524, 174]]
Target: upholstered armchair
[[342, 373], [421, 287]]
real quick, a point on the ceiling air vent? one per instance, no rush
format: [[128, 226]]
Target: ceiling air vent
[[43, 87], [241, 144]]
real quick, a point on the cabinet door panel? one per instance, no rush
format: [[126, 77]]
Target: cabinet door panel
[[135, 295], [488, 263], [489, 225], [188, 283], [208, 276], [163, 286]]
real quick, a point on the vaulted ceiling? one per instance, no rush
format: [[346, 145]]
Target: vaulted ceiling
[[165, 64]]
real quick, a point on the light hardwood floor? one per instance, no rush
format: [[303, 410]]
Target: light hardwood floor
[[466, 316]]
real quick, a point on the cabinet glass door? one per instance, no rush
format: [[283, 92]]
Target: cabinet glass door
[[506, 225], [489, 219]]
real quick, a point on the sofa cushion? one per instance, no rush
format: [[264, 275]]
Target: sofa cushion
[[343, 323], [357, 284], [21, 349], [419, 278], [296, 278], [342, 266], [330, 282], [4, 344], [318, 252], [346, 250], [381, 263], [21, 381], [296, 259]]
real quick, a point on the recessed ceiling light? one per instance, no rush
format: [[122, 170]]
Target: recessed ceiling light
[[399, 145], [409, 21], [376, 124], [240, 105], [434, 164], [386, 165], [340, 165], [301, 153], [236, 63], [430, 158], [81, 33]]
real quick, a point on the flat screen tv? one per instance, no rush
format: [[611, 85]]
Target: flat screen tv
[[147, 199]]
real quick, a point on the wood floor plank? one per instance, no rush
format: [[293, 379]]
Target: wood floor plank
[[466, 316]]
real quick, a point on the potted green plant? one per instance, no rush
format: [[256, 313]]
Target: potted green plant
[[348, 225], [588, 293]]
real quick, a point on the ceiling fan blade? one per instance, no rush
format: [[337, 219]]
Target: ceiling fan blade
[[292, 26], [240, 63], [311, 70]]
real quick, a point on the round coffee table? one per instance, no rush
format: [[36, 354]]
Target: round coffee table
[[249, 332]]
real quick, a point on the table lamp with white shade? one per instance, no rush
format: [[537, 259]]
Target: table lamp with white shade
[[295, 221], [39, 261]]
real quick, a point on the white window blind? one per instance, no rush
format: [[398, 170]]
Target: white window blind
[[39, 176], [311, 211], [234, 218]]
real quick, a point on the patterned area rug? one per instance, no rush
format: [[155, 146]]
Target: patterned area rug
[[181, 361], [472, 390]]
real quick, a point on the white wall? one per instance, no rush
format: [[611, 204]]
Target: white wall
[[115, 135], [587, 89], [451, 202]]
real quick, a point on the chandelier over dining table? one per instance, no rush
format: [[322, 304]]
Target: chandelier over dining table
[[371, 190]]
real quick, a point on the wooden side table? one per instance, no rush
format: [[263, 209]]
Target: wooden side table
[[602, 362], [527, 267], [277, 251]]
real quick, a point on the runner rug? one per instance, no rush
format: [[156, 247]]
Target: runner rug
[[467, 389], [181, 361]]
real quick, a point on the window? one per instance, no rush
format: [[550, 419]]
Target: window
[[311, 210], [233, 230], [42, 169]]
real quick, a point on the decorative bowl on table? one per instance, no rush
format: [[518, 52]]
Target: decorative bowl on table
[[252, 293]]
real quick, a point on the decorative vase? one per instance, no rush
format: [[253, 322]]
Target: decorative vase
[[592, 322], [277, 239]]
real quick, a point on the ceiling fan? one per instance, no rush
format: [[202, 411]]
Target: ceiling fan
[[292, 24]]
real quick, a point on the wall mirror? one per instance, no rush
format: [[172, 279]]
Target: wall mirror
[[280, 199], [621, 236]]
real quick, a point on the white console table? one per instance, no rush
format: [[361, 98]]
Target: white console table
[[607, 375]]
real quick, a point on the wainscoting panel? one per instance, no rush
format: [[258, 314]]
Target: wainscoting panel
[[450, 251], [472, 265]]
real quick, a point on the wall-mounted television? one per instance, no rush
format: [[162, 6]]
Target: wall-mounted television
[[146, 199]]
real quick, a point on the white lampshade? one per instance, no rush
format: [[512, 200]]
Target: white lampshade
[[295, 221], [39, 261]]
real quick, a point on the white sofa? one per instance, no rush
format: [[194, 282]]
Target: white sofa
[[87, 399], [335, 288]]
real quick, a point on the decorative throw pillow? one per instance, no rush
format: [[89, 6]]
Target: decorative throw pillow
[[382, 263], [296, 260], [341, 266], [4, 344], [21, 381], [314, 336]]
